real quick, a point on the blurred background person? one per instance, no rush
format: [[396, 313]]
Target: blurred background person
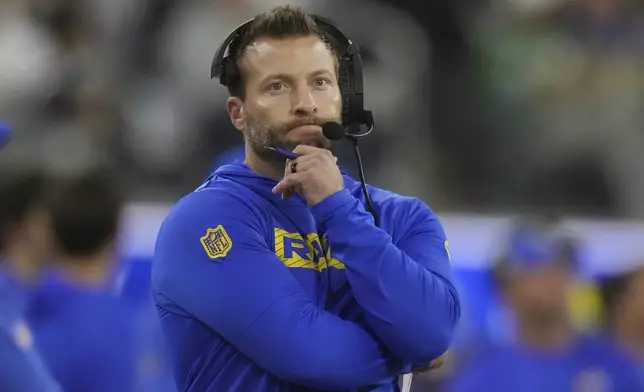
[[541, 350], [623, 299], [26, 235], [563, 82], [85, 333], [23, 239]]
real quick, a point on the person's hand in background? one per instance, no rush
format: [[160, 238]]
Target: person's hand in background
[[435, 364]]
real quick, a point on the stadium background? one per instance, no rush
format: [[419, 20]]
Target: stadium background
[[484, 109]]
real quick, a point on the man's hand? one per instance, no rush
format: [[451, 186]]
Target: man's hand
[[316, 175], [435, 364]]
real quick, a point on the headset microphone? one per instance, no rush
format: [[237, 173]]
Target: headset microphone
[[332, 131]]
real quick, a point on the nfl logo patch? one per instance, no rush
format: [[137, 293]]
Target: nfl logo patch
[[216, 242]]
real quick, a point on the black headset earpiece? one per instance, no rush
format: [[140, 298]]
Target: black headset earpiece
[[349, 74], [222, 66]]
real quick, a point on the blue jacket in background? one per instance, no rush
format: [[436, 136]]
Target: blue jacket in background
[[590, 364], [22, 370], [256, 293], [87, 337]]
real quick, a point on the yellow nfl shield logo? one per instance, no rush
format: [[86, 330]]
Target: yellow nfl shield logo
[[216, 242]]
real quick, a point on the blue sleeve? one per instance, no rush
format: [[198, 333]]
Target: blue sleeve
[[471, 380], [631, 380], [22, 369], [115, 368], [629, 373], [405, 290], [232, 282], [92, 348], [474, 372]]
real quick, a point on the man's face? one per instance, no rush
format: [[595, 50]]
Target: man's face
[[540, 296], [291, 90], [34, 233], [632, 305]]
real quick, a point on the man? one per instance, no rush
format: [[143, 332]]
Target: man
[[543, 351], [273, 279], [85, 333], [623, 299], [23, 248]]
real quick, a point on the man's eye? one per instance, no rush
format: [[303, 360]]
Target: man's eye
[[321, 82], [275, 86]]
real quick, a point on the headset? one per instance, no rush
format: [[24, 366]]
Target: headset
[[349, 75]]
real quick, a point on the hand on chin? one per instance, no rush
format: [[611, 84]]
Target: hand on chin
[[312, 141]]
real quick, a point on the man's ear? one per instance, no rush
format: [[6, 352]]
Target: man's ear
[[235, 108]]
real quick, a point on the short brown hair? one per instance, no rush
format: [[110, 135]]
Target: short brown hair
[[22, 189], [281, 22], [613, 290], [85, 210]]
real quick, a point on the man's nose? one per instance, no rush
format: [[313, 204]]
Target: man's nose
[[304, 103]]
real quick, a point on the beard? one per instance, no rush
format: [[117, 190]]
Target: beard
[[260, 135], [546, 316]]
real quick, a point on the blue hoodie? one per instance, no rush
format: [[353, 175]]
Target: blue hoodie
[[23, 369], [86, 336], [589, 364], [256, 293]]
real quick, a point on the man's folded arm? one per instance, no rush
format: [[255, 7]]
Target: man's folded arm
[[405, 290], [231, 281]]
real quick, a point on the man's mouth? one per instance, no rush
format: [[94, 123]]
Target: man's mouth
[[308, 128]]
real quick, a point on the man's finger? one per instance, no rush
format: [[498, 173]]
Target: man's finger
[[287, 167], [304, 165], [288, 170], [287, 194], [288, 182], [435, 364], [432, 366], [304, 150], [280, 187]]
